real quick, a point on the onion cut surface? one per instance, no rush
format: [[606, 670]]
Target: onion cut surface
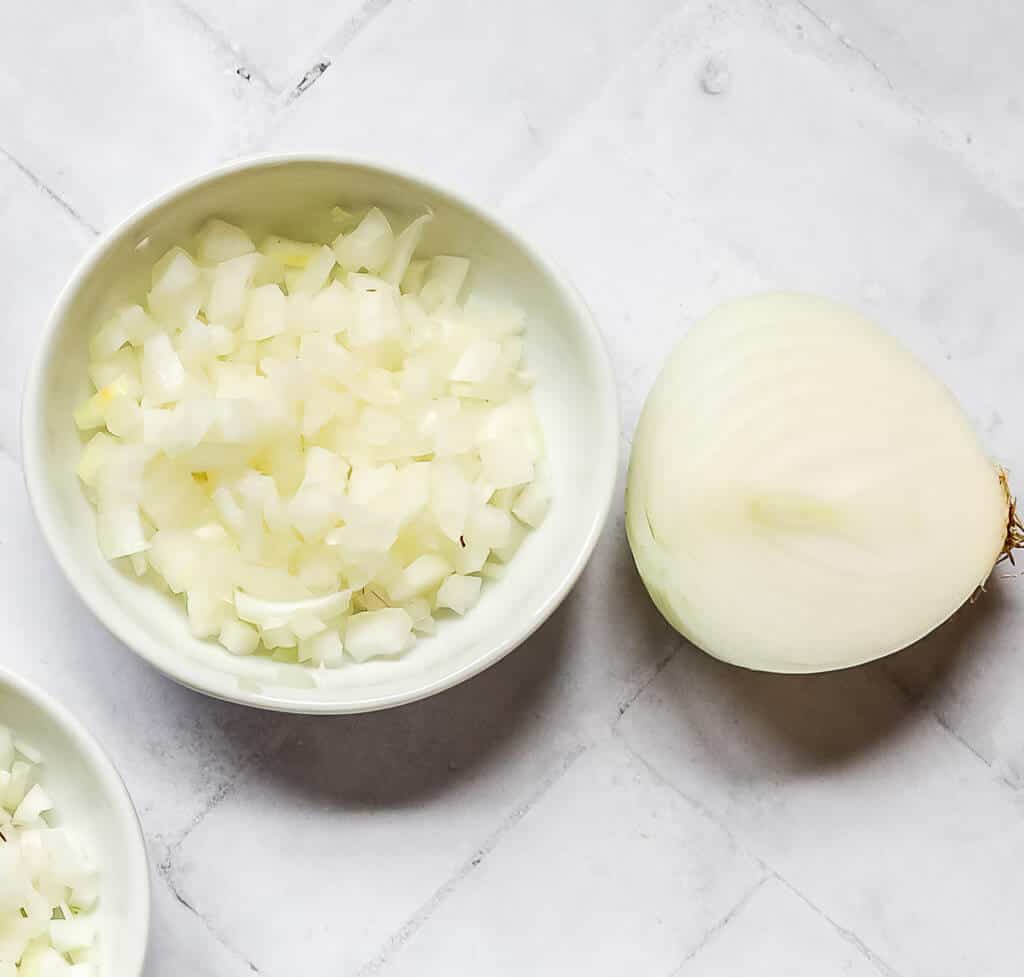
[[317, 445], [48, 887], [803, 495]]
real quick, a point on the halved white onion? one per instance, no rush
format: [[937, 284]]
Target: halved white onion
[[803, 495]]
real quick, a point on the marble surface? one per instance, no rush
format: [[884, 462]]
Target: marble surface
[[607, 800]]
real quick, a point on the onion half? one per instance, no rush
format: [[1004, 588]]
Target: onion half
[[803, 495]]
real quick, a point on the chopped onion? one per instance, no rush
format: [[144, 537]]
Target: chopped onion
[[48, 886], [803, 495], [317, 446]]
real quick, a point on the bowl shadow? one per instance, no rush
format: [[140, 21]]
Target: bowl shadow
[[404, 756]]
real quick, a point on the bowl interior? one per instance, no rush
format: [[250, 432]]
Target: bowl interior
[[91, 802], [574, 394]]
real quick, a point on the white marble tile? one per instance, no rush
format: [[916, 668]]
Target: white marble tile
[[955, 63], [37, 253], [110, 102], [861, 801], [356, 822], [470, 94], [610, 873], [776, 934]]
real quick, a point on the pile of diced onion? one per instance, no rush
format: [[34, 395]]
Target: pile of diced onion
[[48, 887], [318, 446]]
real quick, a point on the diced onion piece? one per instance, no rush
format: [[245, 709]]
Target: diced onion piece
[[517, 534], [177, 291], [314, 276], [32, 807], [459, 593], [219, 241], [506, 462], [289, 253], [371, 634], [93, 412], [368, 246], [207, 613], [229, 291], [121, 531], [443, 282], [324, 649], [471, 558], [163, 375], [477, 362], [68, 935], [415, 275], [266, 313], [423, 574], [94, 456], [489, 526], [405, 246], [239, 638], [531, 505]]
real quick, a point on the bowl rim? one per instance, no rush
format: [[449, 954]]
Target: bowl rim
[[180, 667], [129, 826]]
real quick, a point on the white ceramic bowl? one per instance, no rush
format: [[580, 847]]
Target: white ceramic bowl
[[575, 396], [91, 801]]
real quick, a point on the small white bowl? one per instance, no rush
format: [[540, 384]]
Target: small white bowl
[[292, 195], [91, 802]]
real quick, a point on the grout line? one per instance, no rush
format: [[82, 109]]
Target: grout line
[[181, 900], [368, 11], [927, 709], [52, 194], [946, 137], [245, 71], [510, 196], [883, 968], [848, 44], [697, 805], [308, 80], [221, 794], [723, 922], [405, 933], [627, 703], [339, 40]]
